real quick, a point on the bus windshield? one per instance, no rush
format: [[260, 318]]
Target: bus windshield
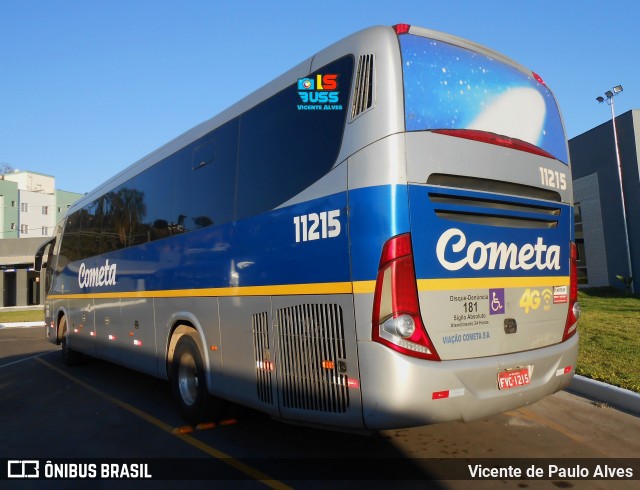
[[452, 88]]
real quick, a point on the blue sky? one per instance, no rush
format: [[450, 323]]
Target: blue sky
[[87, 87]]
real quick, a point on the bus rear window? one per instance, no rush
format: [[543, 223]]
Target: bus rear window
[[449, 87]]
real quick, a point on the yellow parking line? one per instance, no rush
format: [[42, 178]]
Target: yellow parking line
[[211, 451]]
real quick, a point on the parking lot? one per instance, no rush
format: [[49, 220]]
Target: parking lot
[[98, 413]]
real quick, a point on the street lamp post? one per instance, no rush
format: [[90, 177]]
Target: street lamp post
[[610, 94]]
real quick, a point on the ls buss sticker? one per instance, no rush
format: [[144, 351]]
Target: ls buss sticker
[[319, 93]]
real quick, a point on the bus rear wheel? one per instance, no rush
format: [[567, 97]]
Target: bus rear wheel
[[188, 380]]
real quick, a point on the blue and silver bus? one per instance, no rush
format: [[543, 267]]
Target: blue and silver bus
[[381, 237]]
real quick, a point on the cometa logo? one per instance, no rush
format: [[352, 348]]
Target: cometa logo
[[478, 255], [97, 276]]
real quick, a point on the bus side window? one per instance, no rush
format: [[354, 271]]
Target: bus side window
[[205, 178], [285, 148]]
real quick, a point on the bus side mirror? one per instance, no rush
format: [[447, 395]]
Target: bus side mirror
[[37, 259]]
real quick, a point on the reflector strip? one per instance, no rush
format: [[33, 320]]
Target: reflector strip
[[439, 395], [185, 429], [563, 371], [265, 365]]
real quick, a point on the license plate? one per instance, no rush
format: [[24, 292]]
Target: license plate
[[513, 378]]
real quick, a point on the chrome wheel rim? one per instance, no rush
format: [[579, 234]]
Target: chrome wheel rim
[[188, 379]]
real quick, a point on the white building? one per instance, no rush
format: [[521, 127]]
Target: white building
[[31, 207], [37, 201]]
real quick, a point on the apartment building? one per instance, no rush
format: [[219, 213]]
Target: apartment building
[[30, 208]]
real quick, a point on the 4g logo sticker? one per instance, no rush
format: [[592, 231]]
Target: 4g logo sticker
[[533, 298]]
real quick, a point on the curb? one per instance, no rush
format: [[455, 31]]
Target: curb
[[620, 398], [22, 324]]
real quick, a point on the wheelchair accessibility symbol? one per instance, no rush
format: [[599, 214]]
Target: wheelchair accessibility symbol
[[496, 301]]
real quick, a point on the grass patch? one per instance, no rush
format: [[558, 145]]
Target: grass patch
[[609, 328], [31, 315]]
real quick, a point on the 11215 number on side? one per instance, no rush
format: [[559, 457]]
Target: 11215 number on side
[[316, 226]]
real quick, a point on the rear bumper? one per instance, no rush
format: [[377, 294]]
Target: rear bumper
[[400, 391]]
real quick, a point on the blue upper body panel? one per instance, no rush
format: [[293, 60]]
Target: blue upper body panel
[[314, 242], [257, 251]]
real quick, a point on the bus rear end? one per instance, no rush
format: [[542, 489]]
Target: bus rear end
[[475, 298]]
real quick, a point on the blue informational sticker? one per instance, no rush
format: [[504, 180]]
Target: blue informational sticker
[[496, 301]]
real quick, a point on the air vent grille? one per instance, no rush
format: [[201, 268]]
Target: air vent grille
[[492, 186], [363, 91], [264, 366], [312, 358], [493, 202], [461, 206]]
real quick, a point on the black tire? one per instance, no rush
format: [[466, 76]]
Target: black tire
[[70, 356], [188, 380]]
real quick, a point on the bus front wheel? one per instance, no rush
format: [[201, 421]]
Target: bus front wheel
[[70, 356], [188, 380]]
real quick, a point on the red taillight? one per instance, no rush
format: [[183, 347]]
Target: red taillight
[[571, 327], [538, 78], [494, 139], [396, 320], [401, 28]]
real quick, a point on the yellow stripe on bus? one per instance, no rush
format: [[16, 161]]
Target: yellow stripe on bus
[[357, 287], [362, 287], [279, 290], [491, 283]]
